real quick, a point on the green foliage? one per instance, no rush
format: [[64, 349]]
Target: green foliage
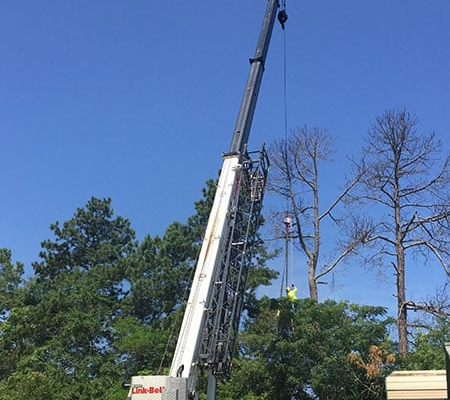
[[92, 238], [428, 347], [158, 277], [11, 280], [12, 317], [64, 329], [197, 222], [102, 307], [159, 274], [302, 351], [139, 348]]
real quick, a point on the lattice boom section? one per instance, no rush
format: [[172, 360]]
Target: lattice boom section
[[227, 300]]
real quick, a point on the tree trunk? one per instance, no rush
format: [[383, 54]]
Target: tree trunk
[[313, 294], [401, 291], [401, 306], [400, 256]]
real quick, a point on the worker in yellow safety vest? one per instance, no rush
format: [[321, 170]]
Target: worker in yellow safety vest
[[291, 292]]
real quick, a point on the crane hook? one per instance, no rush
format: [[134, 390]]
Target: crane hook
[[282, 17]]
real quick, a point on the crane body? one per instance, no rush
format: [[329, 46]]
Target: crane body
[[210, 324]]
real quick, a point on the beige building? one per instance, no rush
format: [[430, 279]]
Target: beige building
[[420, 385]]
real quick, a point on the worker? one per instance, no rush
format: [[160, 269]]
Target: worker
[[291, 292]]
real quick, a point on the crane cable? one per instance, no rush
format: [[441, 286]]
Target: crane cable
[[282, 18]]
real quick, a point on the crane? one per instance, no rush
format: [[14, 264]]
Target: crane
[[207, 337]]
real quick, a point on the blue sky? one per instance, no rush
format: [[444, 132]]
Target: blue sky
[[137, 100]]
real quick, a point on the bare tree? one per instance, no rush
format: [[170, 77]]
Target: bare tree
[[296, 178], [406, 188]]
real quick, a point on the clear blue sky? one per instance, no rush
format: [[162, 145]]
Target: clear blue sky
[[136, 100]]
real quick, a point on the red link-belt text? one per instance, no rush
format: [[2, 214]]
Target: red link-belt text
[[147, 390]]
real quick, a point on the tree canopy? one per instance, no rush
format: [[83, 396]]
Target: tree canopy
[[103, 305]]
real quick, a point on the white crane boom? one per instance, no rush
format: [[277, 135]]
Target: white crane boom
[[211, 319]]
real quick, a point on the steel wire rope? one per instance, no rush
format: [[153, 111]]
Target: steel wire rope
[[289, 236]]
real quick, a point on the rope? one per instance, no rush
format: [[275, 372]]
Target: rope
[[288, 220], [288, 228]]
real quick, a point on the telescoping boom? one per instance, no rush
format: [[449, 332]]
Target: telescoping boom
[[211, 320]]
